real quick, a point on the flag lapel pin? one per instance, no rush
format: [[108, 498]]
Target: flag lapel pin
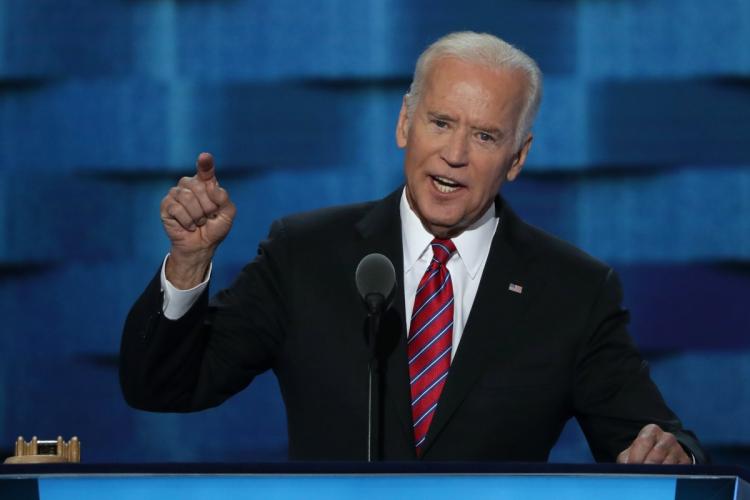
[[515, 288]]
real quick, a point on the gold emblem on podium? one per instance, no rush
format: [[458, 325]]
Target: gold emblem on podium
[[39, 451]]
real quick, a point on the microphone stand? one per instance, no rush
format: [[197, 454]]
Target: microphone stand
[[375, 305]]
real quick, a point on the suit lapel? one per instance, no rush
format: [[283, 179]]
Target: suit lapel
[[381, 232], [495, 316]]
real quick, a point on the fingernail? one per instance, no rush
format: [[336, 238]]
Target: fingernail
[[201, 221]]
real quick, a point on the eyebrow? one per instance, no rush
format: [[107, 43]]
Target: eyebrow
[[441, 116]]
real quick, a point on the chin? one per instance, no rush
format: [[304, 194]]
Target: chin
[[441, 227]]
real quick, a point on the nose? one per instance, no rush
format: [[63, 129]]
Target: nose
[[456, 150]]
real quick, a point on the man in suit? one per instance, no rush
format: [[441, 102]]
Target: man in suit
[[499, 333]]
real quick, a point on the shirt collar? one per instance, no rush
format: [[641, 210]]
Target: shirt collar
[[471, 245]]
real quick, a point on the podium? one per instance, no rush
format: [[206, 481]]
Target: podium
[[379, 481]]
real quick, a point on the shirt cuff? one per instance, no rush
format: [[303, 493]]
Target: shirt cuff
[[177, 302]]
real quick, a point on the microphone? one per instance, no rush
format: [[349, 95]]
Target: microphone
[[376, 282]]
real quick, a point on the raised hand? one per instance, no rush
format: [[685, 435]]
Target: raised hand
[[197, 215]]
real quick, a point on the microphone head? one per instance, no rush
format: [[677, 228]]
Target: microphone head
[[376, 275]]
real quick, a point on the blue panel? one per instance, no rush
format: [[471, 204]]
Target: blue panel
[[664, 38], [52, 217], [545, 30], [79, 123], [684, 215], [679, 215], [149, 125], [669, 122], [262, 40], [710, 392], [561, 129], [365, 487], [75, 37], [644, 124], [677, 307]]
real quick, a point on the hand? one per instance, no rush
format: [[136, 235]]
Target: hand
[[197, 215], [654, 446]]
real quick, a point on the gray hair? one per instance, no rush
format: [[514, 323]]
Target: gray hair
[[487, 50]]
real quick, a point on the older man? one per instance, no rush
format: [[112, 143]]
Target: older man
[[501, 332]]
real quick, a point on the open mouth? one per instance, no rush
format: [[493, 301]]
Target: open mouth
[[444, 185]]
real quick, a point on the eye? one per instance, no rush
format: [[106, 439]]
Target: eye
[[485, 137], [440, 123]]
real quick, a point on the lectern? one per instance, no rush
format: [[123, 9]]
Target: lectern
[[371, 481]]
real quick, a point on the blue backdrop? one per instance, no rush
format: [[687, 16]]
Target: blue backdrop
[[641, 157]]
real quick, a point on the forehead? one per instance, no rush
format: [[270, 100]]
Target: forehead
[[456, 86]]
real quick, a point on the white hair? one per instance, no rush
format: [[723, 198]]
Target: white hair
[[487, 50]]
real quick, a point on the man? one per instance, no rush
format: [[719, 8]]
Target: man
[[502, 332]]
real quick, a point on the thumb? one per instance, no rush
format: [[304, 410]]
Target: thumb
[[205, 168]]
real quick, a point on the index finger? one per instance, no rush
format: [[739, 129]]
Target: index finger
[[205, 168]]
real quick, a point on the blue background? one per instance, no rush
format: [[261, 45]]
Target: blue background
[[641, 157]]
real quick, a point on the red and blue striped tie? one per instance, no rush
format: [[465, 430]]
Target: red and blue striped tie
[[430, 339]]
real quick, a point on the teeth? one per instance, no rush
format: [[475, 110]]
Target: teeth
[[444, 185], [446, 181]]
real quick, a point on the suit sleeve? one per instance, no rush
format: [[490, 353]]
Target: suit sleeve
[[215, 349], [614, 396]]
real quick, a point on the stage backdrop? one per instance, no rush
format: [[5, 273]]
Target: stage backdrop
[[641, 156]]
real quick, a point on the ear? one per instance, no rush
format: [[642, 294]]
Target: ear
[[402, 127], [520, 159]]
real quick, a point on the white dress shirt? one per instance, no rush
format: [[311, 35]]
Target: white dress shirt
[[465, 266]]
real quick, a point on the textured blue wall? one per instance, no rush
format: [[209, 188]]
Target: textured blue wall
[[641, 157]]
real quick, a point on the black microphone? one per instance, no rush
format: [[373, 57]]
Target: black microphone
[[376, 282]]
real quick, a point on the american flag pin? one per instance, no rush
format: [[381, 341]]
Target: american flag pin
[[515, 288]]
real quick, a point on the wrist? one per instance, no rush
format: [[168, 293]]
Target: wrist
[[187, 271]]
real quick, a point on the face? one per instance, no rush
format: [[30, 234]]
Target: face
[[460, 144]]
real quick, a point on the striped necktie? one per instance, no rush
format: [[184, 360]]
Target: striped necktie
[[430, 339]]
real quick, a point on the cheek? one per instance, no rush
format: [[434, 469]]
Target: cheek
[[415, 157], [491, 172], [410, 163]]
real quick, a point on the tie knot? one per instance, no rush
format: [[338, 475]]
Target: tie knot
[[442, 250]]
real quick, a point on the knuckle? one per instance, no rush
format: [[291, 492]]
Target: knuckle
[[184, 195], [165, 202], [169, 209], [669, 440], [648, 429]]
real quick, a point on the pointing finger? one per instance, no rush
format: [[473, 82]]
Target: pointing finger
[[205, 167]]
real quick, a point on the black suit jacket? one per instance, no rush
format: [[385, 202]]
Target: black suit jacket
[[527, 362]]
